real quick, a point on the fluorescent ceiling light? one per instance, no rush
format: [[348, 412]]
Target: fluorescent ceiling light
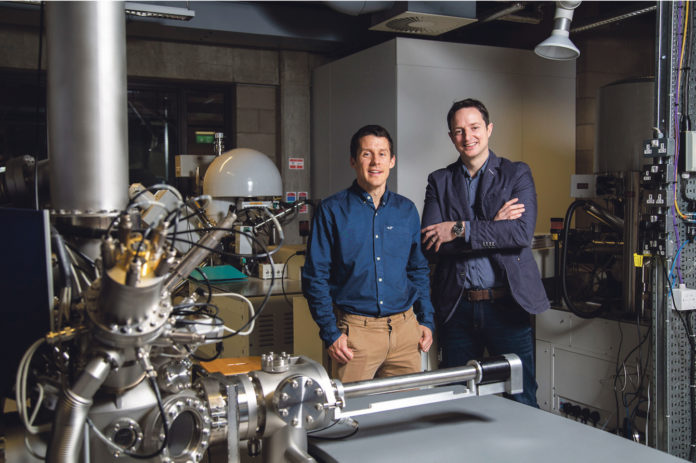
[[150, 10]]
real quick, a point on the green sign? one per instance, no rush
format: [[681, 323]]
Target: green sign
[[205, 137]]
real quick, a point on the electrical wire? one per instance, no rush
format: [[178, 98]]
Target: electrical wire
[[284, 274], [21, 390], [250, 306]]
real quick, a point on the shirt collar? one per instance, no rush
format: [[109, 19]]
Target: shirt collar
[[365, 196], [480, 172]]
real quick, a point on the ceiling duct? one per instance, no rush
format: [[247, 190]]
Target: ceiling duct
[[424, 18]]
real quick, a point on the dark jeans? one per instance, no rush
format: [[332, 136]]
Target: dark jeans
[[500, 326]]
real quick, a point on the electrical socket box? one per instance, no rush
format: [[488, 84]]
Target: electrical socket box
[[583, 186], [266, 271], [684, 298]]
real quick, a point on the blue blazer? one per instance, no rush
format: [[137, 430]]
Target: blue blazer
[[506, 242]]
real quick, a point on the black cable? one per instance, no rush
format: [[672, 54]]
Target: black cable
[[564, 257], [355, 430], [207, 283], [58, 246], [218, 351], [82, 255]]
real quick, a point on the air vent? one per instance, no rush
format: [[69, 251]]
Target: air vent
[[421, 23]]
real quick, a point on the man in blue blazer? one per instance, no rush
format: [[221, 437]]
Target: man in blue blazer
[[477, 228]]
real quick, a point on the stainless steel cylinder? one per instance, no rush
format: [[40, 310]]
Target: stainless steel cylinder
[[87, 104], [395, 383]]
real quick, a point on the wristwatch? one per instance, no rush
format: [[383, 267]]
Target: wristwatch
[[458, 229]]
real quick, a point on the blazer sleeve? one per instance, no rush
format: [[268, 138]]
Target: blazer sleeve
[[509, 234], [434, 212]]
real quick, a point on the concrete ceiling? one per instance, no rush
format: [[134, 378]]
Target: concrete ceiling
[[320, 26]]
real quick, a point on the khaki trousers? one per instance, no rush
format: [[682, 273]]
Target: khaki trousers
[[382, 346]]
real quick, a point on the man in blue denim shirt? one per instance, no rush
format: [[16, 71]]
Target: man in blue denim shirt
[[365, 277]]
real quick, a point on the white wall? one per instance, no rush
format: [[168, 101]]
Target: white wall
[[531, 102], [408, 85]]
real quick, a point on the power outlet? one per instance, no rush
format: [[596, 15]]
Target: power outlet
[[684, 298]]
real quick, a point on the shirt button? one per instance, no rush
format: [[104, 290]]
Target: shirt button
[[376, 236], [381, 302], [379, 258], [381, 279]]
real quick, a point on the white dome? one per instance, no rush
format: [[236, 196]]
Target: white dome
[[242, 172], [239, 173]]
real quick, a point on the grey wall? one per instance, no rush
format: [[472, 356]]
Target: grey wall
[[273, 95], [348, 94]]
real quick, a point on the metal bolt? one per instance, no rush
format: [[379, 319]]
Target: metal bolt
[[294, 384], [283, 412], [309, 382], [295, 421], [284, 396], [309, 419], [319, 406]]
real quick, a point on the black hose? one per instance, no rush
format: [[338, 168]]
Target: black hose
[[58, 246], [564, 256]]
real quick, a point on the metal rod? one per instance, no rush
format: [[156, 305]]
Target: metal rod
[[395, 383], [199, 252], [280, 215], [614, 19]]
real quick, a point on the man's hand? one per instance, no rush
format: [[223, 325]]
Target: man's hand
[[510, 211], [437, 234], [426, 339], [340, 351]]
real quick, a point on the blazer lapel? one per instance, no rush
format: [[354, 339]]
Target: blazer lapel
[[459, 198], [485, 190]]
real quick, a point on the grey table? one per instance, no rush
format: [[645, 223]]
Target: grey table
[[476, 429]]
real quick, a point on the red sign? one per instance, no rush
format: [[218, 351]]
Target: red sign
[[302, 196], [296, 163]]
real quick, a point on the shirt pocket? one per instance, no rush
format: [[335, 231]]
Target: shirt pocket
[[397, 245]]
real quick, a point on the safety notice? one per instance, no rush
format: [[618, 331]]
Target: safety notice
[[296, 163]]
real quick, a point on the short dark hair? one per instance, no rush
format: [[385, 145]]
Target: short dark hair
[[467, 103], [377, 131]]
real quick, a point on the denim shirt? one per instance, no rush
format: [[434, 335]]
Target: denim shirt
[[479, 270], [365, 261]]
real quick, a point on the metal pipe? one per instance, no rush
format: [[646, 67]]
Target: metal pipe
[[395, 383], [514, 8], [199, 252], [614, 19], [86, 104], [72, 410]]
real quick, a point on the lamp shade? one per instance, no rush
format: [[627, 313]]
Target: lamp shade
[[558, 47]]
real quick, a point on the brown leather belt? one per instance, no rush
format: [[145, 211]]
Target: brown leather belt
[[490, 294]]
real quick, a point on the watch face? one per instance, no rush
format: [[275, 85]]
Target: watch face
[[458, 228]]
